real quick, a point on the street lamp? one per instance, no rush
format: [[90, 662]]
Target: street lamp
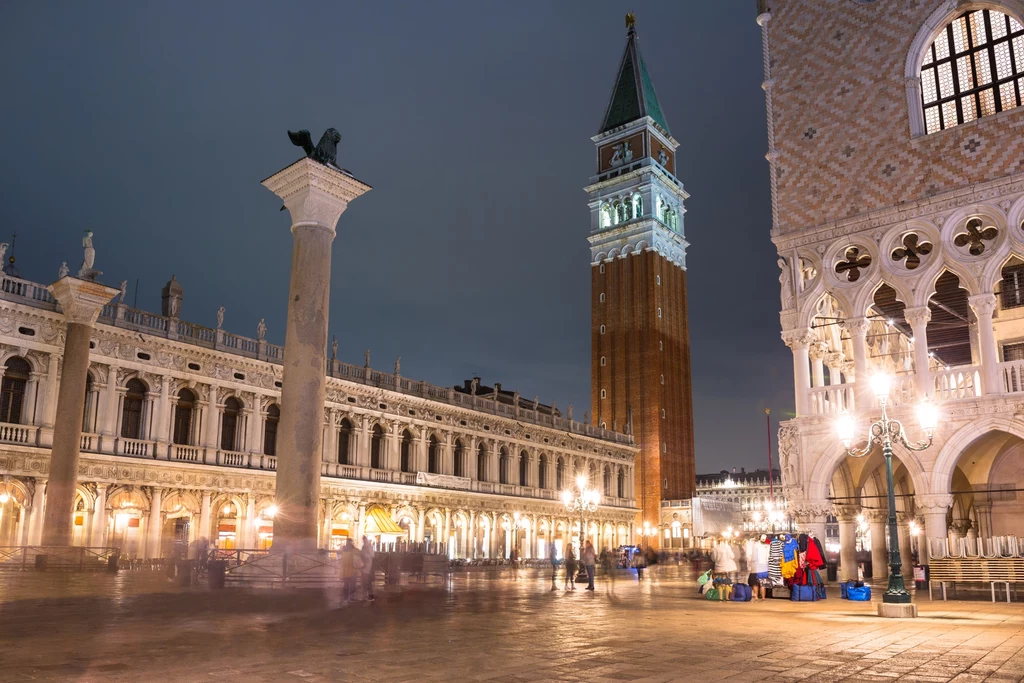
[[581, 499], [884, 432]]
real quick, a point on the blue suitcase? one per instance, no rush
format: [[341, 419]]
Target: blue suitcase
[[859, 593], [741, 592], [803, 593]]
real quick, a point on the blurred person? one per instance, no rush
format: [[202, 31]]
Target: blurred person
[[570, 569], [639, 563], [553, 557], [349, 570], [589, 559], [366, 553]]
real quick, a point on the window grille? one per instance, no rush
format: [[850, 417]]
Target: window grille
[[974, 68], [1013, 352], [1011, 292]]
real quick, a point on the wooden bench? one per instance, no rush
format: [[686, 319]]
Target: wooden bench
[[993, 571]]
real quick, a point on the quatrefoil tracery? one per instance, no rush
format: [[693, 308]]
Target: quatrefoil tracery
[[855, 262], [912, 250], [975, 236]]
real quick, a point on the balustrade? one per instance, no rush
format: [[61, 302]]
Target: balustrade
[[15, 433], [957, 383], [89, 442], [1012, 373], [134, 447], [232, 458], [832, 399], [185, 453]]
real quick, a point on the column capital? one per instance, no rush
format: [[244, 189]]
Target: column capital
[[933, 502], [81, 300], [315, 194], [856, 326], [916, 317], [983, 305], [798, 338], [809, 509], [846, 513]]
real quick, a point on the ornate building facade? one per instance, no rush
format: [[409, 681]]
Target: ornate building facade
[[179, 441], [640, 364], [895, 147]]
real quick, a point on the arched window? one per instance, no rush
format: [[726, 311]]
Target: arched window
[[229, 424], [345, 442], [971, 69], [638, 206], [606, 216], [12, 393], [622, 483], [607, 481], [481, 463], [459, 466], [559, 474], [184, 409], [524, 469], [542, 472], [433, 455], [131, 410], [503, 464], [406, 451], [376, 446], [270, 429]]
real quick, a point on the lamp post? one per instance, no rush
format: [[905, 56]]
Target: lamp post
[[581, 499], [884, 432]]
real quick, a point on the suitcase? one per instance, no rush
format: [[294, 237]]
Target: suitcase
[[741, 592], [859, 593], [803, 593]]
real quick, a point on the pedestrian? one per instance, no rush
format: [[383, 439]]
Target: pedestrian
[[553, 556], [639, 562], [350, 564], [608, 565], [366, 554], [570, 569], [589, 559], [513, 557]]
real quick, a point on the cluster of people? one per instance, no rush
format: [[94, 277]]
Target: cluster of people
[[779, 561], [356, 564], [588, 561]]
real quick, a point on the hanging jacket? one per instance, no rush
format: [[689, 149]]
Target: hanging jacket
[[815, 560], [760, 562], [821, 548], [790, 549], [802, 542]]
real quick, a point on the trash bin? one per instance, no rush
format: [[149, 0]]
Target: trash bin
[[112, 564], [184, 571], [41, 562], [216, 570]]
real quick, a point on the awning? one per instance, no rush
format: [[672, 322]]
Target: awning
[[378, 522]]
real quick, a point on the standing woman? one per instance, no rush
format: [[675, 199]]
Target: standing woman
[[570, 569]]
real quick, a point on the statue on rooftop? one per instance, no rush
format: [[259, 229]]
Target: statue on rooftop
[[568, 413], [326, 151], [63, 270], [87, 272], [261, 330], [366, 358], [334, 348], [124, 291], [473, 386], [220, 317], [536, 402], [398, 366]]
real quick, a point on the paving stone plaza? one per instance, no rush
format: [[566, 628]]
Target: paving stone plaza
[[93, 627]]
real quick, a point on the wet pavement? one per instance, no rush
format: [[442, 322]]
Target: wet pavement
[[136, 626]]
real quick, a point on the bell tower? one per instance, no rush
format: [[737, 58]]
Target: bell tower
[[640, 342]]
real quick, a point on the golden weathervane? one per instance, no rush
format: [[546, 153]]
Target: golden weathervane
[[630, 20]]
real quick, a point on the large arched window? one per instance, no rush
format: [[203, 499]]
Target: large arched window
[[376, 446], [12, 394], [433, 455], [607, 481], [131, 409], [481, 463], [270, 430], [622, 483], [406, 451], [460, 457], [345, 442], [972, 69], [229, 424], [524, 469], [184, 409]]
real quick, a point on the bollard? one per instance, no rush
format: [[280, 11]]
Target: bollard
[[41, 562], [112, 564], [216, 571]]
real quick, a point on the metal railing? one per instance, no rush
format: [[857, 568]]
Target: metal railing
[[58, 558]]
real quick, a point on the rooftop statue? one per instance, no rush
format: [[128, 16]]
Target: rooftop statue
[[326, 151], [87, 272]]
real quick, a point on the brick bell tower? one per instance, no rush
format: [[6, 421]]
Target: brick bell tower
[[640, 373]]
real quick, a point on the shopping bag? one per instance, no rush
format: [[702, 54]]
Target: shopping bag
[[704, 578], [859, 593], [711, 594]]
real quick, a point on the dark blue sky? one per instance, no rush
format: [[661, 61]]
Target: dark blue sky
[[153, 123]]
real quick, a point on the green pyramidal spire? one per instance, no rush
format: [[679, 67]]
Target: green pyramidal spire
[[634, 96]]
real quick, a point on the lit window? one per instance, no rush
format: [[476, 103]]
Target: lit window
[[663, 379], [973, 69], [602, 268], [604, 361], [604, 394], [601, 298]]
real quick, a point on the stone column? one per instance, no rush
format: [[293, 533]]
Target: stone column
[[932, 507], [817, 355], [81, 302], [212, 422], [250, 523], [161, 420], [29, 414], [328, 527], [108, 413], [421, 519], [446, 535], [254, 436], [331, 433], [35, 522], [361, 523], [49, 402], [858, 329], [879, 551], [906, 558], [155, 524], [983, 305], [847, 516], [918, 319], [798, 341], [315, 196], [98, 536], [204, 518]]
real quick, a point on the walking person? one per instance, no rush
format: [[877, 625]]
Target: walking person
[[553, 556], [608, 565], [366, 553], [639, 563], [570, 569], [513, 557], [589, 559], [349, 570]]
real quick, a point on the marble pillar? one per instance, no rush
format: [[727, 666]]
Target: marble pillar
[[315, 195], [847, 517], [204, 518], [983, 306], [155, 524], [918, 319], [879, 549], [81, 302], [99, 517]]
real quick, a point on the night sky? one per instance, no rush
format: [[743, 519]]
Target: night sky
[[153, 124]]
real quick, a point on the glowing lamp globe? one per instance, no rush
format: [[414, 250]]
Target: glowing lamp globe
[[581, 481], [928, 416], [880, 385], [845, 429], [4, 497], [566, 497]]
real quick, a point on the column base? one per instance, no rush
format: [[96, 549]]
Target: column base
[[893, 610]]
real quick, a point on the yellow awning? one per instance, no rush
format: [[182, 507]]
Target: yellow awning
[[378, 522]]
